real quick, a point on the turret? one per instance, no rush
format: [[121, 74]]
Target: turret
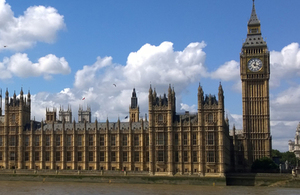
[[227, 120], [233, 131], [14, 98], [221, 97], [154, 95], [29, 99], [170, 97], [200, 96], [134, 101], [150, 97], [174, 100], [21, 97], [6, 98], [134, 110]]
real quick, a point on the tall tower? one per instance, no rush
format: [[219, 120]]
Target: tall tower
[[255, 74], [17, 116], [134, 109]]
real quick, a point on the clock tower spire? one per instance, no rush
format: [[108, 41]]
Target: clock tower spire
[[255, 74]]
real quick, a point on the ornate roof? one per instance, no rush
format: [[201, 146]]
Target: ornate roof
[[254, 38], [253, 19]]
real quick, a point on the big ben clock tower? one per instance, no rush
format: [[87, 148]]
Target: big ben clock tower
[[255, 74]]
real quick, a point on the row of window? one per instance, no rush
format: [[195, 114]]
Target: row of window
[[136, 156], [160, 140], [162, 118]]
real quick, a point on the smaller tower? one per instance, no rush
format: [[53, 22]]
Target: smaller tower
[[65, 115], [50, 115], [84, 115], [134, 109]]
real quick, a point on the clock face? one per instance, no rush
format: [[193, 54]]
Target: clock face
[[254, 64]]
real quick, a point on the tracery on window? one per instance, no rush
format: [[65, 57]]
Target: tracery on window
[[210, 118], [160, 118]]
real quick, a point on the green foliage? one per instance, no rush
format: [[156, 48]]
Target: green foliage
[[276, 153], [264, 165], [290, 157], [285, 156]]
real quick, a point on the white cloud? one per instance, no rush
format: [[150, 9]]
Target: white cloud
[[4, 73], [230, 71], [160, 65], [38, 23], [86, 77], [282, 132], [186, 107], [285, 105], [227, 72], [285, 64], [20, 65], [235, 119]]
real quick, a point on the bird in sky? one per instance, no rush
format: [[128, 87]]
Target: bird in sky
[[115, 85], [126, 117], [83, 98], [4, 45]]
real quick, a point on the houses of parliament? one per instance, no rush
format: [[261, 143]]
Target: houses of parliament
[[165, 143]]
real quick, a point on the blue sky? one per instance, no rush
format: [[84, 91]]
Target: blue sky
[[63, 51]]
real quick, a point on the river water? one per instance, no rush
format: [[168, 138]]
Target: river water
[[76, 188]]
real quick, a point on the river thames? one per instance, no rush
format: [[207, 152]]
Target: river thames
[[76, 188]]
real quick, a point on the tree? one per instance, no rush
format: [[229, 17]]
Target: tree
[[264, 165], [290, 157], [285, 156], [276, 153]]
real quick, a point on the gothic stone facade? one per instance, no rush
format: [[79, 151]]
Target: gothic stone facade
[[169, 143], [166, 144]]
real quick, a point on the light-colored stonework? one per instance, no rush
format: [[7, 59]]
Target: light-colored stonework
[[167, 143], [294, 146], [255, 142]]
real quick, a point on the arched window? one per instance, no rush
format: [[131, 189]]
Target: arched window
[[210, 118], [160, 118], [13, 118]]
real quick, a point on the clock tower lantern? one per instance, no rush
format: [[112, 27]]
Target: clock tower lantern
[[255, 74]]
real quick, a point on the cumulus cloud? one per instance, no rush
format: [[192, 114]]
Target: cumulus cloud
[[228, 71], [87, 76], [162, 65], [282, 132], [285, 64], [38, 23], [159, 65], [186, 107], [20, 65], [285, 105], [4, 73]]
